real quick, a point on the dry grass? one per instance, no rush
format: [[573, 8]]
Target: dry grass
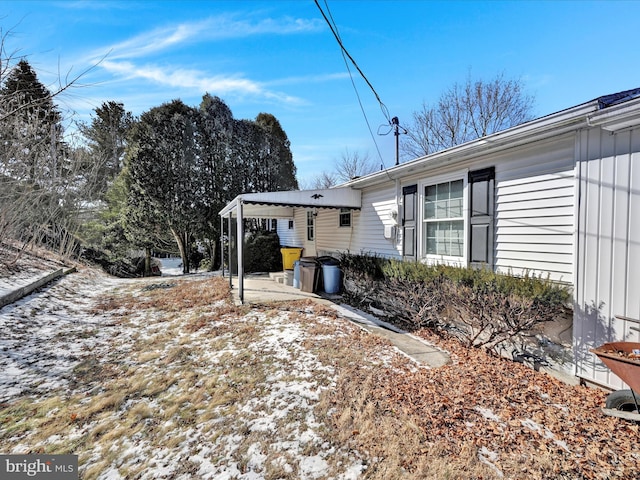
[[193, 381]]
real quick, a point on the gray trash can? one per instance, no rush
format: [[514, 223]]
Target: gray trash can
[[331, 278], [309, 273]]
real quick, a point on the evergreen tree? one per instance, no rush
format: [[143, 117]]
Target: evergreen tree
[[278, 170], [106, 139], [165, 178], [37, 168], [32, 148], [216, 126]]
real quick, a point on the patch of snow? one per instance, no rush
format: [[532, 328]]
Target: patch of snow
[[170, 266], [313, 467], [488, 414], [489, 458], [49, 334], [545, 432]]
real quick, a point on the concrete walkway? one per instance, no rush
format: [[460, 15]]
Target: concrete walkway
[[261, 289]]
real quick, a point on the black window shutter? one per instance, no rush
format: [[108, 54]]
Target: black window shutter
[[481, 217]]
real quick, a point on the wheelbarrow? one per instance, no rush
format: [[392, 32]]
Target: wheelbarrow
[[623, 359]]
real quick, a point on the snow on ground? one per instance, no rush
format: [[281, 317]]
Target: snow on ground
[[31, 268], [54, 335], [47, 333], [171, 266]]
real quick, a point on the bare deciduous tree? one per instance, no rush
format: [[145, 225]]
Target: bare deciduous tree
[[467, 112], [351, 165], [40, 193]]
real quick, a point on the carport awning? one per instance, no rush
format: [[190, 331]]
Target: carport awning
[[281, 204]]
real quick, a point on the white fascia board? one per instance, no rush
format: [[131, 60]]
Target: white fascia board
[[272, 204], [230, 207]]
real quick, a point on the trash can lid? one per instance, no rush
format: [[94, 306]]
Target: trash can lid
[[328, 260]]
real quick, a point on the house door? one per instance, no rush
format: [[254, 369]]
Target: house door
[[310, 237], [481, 206], [409, 198]]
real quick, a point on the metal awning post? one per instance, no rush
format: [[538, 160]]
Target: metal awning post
[[240, 245], [221, 247], [230, 252]]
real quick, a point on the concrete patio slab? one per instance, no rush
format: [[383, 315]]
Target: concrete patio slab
[[259, 289]]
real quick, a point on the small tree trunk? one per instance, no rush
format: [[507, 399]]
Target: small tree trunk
[[186, 258], [147, 262], [182, 247]]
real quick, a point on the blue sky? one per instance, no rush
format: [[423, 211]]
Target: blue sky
[[280, 57]]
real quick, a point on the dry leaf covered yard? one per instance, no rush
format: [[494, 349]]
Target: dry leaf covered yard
[[167, 378]]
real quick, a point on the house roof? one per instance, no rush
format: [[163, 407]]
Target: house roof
[[616, 98], [281, 204], [611, 112]]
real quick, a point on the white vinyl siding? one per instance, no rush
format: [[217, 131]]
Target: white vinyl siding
[[535, 207], [288, 236], [608, 252], [378, 206], [330, 238]]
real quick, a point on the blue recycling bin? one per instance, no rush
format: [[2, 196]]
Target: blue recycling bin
[[331, 275], [296, 274]]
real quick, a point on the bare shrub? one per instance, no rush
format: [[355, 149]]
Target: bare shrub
[[482, 308], [486, 319]]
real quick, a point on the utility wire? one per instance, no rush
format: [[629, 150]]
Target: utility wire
[[334, 29], [345, 54]]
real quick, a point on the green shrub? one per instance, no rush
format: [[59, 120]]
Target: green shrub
[[262, 252], [480, 280], [486, 308]]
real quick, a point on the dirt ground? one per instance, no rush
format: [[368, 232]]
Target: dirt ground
[[167, 378]]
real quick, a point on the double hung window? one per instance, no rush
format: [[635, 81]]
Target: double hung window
[[443, 232], [344, 219]]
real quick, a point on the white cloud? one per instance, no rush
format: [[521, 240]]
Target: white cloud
[[130, 59], [198, 81], [210, 29]]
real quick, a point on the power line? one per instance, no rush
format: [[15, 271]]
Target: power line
[[345, 54]]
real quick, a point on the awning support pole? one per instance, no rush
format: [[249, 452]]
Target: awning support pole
[[240, 242], [230, 252], [221, 246]]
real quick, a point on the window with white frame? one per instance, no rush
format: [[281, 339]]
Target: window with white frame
[[344, 219], [443, 232]]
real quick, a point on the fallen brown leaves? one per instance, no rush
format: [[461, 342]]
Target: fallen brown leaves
[[480, 417], [537, 426]]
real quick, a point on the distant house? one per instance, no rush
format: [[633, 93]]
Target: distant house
[[557, 196]]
